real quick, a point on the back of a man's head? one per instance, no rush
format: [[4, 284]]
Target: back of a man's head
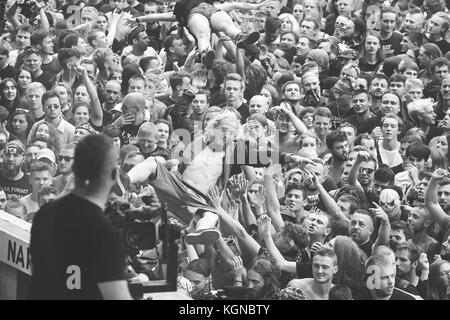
[[94, 157]]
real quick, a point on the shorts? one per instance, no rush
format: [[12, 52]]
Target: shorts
[[171, 189], [205, 9]]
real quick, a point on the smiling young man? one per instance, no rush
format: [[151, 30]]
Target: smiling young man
[[324, 267]]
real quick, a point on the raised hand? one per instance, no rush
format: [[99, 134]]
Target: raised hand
[[239, 270], [439, 174], [129, 21], [316, 247], [378, 212], [216, 197], [423, 260], [237, 188], [363, 156], [264, 223], [234, 209], [413, 172], [300, 159]]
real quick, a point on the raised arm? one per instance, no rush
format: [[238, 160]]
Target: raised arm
[[353, 175], [112, 29], [273, 205], [431, 200], [331, 205], [264, 230], [296, 122], [166, 16], [385, 227], [235, 227], [96, 112], [241, 5], [12, 17], [45, 24]]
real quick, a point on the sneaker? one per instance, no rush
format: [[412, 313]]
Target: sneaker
[[245, 39], [208, 58], [204, 237]]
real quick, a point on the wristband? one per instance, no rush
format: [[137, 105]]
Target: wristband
[[138, 20]]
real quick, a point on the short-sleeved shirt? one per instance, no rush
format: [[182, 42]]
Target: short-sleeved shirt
[[72, 237], [391, 47], [15, 189]]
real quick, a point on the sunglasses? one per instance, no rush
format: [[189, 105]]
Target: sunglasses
[[65, 158], [366, 170], [2, 200]]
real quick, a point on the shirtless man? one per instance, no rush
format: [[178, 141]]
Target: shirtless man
[[284, 139], [324, 268], [418, 222], [201, 168]]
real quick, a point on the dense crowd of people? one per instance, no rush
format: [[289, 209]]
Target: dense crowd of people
[[301, 145]]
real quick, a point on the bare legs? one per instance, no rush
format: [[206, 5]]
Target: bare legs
[[221, 22], [199, 27]]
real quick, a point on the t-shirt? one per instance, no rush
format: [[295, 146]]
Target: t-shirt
[[32, 206], [17, 189], [442, 44], [46, 79], [71, 237], [391, 47], [396, 295], [367, 248], [243, 110], [391, 158], [8, 72]]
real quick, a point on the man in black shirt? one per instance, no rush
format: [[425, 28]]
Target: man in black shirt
[[76, 251], [6, 71], [12, 179], [435, 29], [32, 61], [234, 94]]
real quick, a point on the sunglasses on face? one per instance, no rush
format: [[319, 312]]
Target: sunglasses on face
[[65, 158], [366, 170]]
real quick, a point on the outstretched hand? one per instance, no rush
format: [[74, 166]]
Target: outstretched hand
[[216, 197], [264, 223], [439, 174], [378, 212]]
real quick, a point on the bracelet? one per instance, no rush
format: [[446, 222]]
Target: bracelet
[[138, 20]]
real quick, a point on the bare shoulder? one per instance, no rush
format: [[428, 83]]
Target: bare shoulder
[[298, 283]]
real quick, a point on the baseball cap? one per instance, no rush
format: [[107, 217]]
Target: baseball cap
[[15, 146], [46, 153]]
